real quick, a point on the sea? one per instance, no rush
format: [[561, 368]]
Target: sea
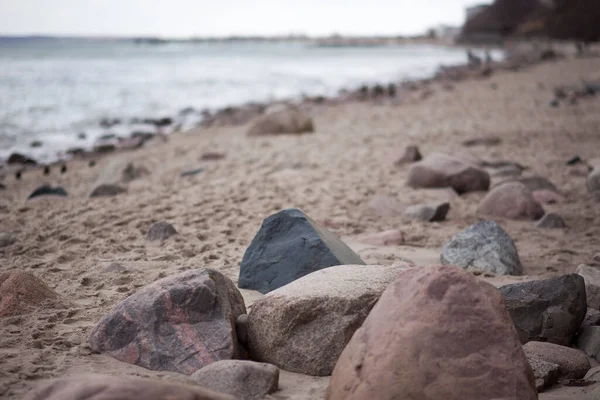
[[55, 92]]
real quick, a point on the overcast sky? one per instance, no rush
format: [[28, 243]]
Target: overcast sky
[[226, 17]]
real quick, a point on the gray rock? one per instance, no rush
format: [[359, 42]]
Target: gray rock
[[160, 231], [106, 190], [282, 120], [588, 340], [132, 172], [304, 326], [246, 380], [6, 239], [428, 213], [180, 323], [484, 246], [551, 221], [546, 373], [592, 317], [192, 172], [482, 141], [591, 276], [241, 327], [538, 183], [288, 246], [547, 310], [573, 363], [411, 155], [47, 190], [593, 180]]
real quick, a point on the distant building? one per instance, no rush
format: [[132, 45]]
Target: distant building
[[474, 10]]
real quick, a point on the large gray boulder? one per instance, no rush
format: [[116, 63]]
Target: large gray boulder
[[246, 380], [441, 170], [288, 246], [549, 310], [104, 387], [180, 323], [484, 246], [436, 333], [304, 326]]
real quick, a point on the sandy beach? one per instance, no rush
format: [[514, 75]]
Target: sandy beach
[[93, 251]]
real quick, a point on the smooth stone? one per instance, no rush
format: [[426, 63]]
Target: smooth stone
[[588, 340], [288, 246], [545, 196], [246, 380], [303, 327], [282, 120], [107, 190], [160, 231], [551, 221], [428, 213], [550, 310], [592, 316], [6, 239], [593, 375], [435, 333], [47, 190], [17, 158], [482, 141], [484, 246]]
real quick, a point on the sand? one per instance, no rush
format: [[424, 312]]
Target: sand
[[93, 252]]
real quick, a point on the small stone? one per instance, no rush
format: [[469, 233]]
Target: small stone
[[288, 246], [63, 169], [551, 221], [241, 327], [246, 380], [22, 291], [107, 189], [573, 363], [160, 231], [554, 103], [47, 190], [511, 200], [591, 276], [282, 120], [484, 246], [6, 239], [212, 156], [47, 170], [303, 326], [132, 172], [36, 143], [192, 172], [574, 160], [482, 141], [428, 213], [550, 310], [593, 180], [411, 155], [588, 340]]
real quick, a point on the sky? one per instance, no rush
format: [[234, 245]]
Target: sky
[[184, 18]]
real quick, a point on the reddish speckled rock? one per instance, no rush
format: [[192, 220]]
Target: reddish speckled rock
[[180, 323]]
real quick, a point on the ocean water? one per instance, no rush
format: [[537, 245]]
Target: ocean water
[[56, 91]]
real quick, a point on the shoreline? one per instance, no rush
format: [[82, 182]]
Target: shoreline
[[161, 127]]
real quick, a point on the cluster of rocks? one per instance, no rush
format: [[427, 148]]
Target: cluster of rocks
[[570, 95], [515, 198], [381, 330]]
